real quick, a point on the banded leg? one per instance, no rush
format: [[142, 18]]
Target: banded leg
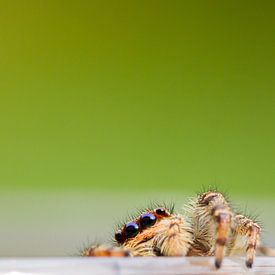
[[244, 226], [105, 251], [211, 223], [223, 219]]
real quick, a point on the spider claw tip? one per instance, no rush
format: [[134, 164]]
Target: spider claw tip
[[218, 263], [249, 264]]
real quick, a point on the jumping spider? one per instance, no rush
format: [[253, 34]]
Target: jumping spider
[[209, 228]]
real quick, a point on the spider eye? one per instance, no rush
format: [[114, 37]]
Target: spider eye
[[131, 230], [161, 211], [119, 237], [147, 220]]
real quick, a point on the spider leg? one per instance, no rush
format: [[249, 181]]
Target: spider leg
[[223, 219], [244, 226], [211, 222], [105, 251]]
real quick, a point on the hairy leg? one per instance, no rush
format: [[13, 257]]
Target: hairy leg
[[211, 221], [244, 227], [106, 251]]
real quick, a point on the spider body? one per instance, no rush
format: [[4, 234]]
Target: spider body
[[208, 228]]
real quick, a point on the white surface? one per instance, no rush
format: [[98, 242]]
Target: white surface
[[106, 266]]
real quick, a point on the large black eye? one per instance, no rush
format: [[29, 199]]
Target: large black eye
[[131, 230], [147, 220], [119, 237]]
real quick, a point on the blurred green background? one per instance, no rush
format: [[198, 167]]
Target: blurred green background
[[104, 100]]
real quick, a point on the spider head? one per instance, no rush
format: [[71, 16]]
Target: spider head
[[145, 221]]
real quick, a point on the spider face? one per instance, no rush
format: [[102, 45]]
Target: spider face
[[143, 222]]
